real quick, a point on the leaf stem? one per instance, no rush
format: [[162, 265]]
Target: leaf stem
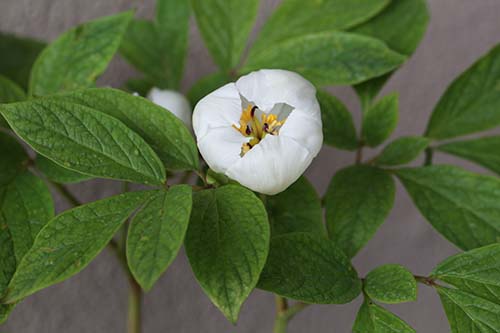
[[134, 306], [359, 154], [284, 313], [429, 153], [70, 198]]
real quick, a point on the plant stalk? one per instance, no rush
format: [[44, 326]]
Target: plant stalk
[[284, 313], [134, 307]]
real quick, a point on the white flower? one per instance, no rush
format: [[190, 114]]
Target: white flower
[[174, 102], [262, 131]]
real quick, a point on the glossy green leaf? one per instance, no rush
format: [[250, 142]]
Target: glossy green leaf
[[380, 120], [206, 85], [297, 209], [163, 131], [297, 17], [17, 55], [483, 151], [309, 268], [402, 25], [464, 207], [471, 102], [85, 140], [328, 58], [157, 232], [79, 56], [373, 318], [158, 48], [391, 284], [468, 313], [225, 25], [9, 92], [476, 272], [402, 150], [227, 244], [69, 242], [57, 173], [357, 201], [338, 125]]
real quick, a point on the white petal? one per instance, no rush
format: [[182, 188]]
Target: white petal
[[221, 108], [305, 128], [174, 102], [267, 87], [221, 148], [272, 165]]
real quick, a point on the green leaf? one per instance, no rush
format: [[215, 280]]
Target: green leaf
[[476, 272], [225, 25], [471, 102], [206, 85], [158, 49], [139, 86], [227, 244], [328, 58], [162, 130], [297, 209], [17, 56], [402, 150], [84, 140], [464, 207], [380, 120], [483, 151], [79, 56], [357, 202], [401, 25], [468, 313], [58, 173], [309, 268], [9, 92], [69, 242], [156, 234], [5, 310], [391, 284], [338, 125], [373, 318], [295, 18], [14, 159]]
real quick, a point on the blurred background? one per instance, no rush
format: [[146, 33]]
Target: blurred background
[[95, 300]]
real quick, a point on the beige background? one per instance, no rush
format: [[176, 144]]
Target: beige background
[[95, 300]]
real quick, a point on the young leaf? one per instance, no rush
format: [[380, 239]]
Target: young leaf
[[163, 131], [391, 284], [471, 102], [84, 140], [328, 58], [78, 56], [156, 234], [225, 26], [464, 207], [297, 209], [483, 151], [338, 126], [309, 268], [357, 201], [158, 48], [402, 150], [296, 17], [17, 56], [468, 313], [401, 25], [476, 272], [206, 85], [373, 318], [68, 243], [227, 244], [57, 173], [380, 120]]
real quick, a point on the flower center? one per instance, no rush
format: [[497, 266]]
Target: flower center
[[251, 126]]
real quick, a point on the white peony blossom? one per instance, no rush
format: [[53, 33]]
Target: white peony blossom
[[174, 102], [262, 131]]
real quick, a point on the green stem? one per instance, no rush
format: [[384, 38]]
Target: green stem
[[66, 194], [134, 307], [428, 156], [284, 313]]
